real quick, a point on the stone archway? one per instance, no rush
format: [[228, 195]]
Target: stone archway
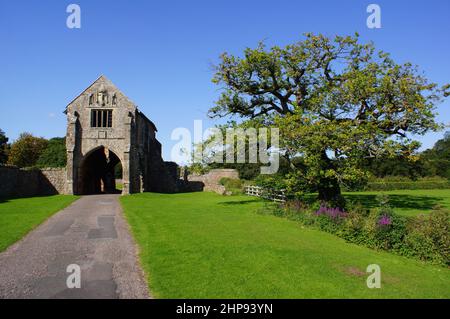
[[102, 118], [97, 172]]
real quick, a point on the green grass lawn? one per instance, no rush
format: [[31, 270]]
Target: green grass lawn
[[406, 202], [203, 245], [19, 216]]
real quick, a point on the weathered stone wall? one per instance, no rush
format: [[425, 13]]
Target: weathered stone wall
[[131, 137], [212, 178], [53, 180], [82, 139], [172, 169], [17, 182]]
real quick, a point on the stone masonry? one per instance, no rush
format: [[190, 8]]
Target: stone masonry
[[17, 182], [210, 181], [104, 128]]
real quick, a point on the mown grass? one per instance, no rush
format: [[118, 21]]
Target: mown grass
[[203, 245], [19, 216], [405, 202]]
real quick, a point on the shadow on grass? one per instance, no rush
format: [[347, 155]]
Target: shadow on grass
[[239, 202], [8, 199], [397, 201]]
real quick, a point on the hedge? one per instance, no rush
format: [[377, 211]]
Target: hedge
[[388, 184], [425, 237]]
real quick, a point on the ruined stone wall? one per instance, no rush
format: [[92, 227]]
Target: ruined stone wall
[[172, 169], [212, 178], [160, 177], [17, 182], [53, 180]]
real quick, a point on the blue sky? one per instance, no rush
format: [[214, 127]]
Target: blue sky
[[159, 53]]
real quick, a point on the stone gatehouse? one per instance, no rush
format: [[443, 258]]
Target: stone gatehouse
[[105, 128]]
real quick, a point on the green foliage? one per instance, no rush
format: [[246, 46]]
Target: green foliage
[[235, 186], [387, 237], [251, 171], [273, 182], [404, 202], [412, 168], [3, 147], [198, 168], [118, 171], [21, 215], [26, 150], [295, 210], [336, 102], [436, 161], [270, 208], [203, 245], [54, 155], [352, 227], [426, 238], [30, 151], [243, 138], [327, 224], [430, 163], [247, 171], [398, 182]]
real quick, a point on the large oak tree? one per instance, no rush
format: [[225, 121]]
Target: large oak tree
[[336, 101]]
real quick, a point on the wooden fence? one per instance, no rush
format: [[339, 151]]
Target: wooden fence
[[270, 194]]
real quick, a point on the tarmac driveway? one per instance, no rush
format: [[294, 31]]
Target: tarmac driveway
[[92, 234]]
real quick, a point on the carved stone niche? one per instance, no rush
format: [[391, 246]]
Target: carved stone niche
[[102, 98]]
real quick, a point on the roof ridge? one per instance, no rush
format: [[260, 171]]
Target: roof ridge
[[100, 77]]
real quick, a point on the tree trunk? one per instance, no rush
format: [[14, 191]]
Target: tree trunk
[[330, 191], [329, 188]]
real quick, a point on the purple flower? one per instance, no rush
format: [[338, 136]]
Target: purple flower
[[384, 220], [331, 212]]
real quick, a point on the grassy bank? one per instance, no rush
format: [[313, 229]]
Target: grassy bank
[[202, 245], [405, 202], [19, 216]]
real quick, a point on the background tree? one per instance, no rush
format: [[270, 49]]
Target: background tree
[[336, 102], [397, 166], [54, 155], [3, 147], [436, 161], [26, 150], [214, 151]]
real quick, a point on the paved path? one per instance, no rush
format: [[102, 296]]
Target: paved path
[[91, 233]]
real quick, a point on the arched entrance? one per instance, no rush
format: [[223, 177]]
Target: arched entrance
[[98, 172]]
